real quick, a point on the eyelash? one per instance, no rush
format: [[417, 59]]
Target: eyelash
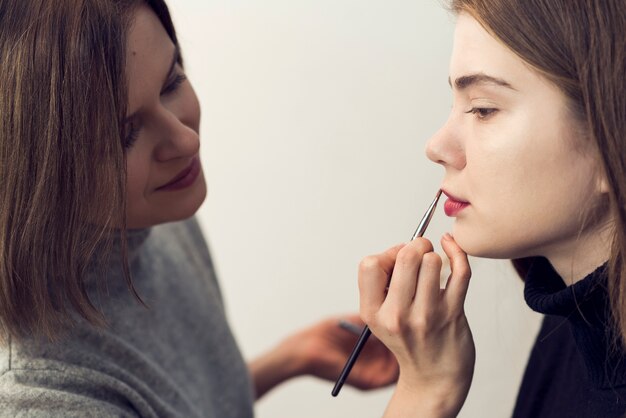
[[175, 84], [131, 136], [133, 132], [482, 113]]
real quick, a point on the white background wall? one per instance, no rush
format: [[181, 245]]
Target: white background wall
[[315, 118]]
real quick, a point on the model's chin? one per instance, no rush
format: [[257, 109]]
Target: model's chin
[[483, 244]]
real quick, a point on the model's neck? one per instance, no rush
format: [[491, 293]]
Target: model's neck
[[576, 260]]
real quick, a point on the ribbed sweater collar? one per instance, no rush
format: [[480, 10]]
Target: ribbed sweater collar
[[585, 306]]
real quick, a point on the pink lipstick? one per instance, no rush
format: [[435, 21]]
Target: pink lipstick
[[454, 205]]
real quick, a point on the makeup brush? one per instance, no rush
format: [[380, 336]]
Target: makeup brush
[[421, 228]]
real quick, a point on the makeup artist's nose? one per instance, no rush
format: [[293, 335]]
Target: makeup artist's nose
[[177, 140], [445, 147]]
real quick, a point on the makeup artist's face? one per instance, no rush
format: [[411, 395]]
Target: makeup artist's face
[[511, 148], [165, 180]]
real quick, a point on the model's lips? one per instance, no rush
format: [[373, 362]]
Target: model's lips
[[185, 178], [454, 205]]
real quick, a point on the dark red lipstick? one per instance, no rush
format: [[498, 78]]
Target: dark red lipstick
[[185, 178]]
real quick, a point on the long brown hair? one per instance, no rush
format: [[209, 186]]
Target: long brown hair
[[63, 98], [580, 46]]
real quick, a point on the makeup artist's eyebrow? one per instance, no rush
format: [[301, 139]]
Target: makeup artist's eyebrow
[[466, 81], [175, 60]]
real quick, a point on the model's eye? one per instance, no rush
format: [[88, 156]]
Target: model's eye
[[482, 113], [174, 84]]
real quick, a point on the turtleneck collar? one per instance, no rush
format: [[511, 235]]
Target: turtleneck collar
[[547, 293], [585, 306]]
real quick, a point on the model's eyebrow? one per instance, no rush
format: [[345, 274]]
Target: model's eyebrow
[[466, 81]]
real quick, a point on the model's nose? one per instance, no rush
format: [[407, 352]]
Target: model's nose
[[446, 147]]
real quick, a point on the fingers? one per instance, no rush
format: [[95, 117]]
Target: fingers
[[374, 273], [411, 273], [396, 270], [403, 280], [428, 289], [423, 326], [458, 282]]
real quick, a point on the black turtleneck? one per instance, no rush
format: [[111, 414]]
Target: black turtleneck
[[575, 368]]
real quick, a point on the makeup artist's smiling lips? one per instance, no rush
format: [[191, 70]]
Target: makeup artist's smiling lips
[[185, 178], [453, 204]]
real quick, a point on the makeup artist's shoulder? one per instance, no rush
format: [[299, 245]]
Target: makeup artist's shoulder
[[182, 227], [186, 233], [53, 392]]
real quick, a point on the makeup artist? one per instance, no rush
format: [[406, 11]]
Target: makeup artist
[[109, 305], [534, 153]]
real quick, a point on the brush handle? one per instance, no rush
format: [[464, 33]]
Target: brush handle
[[355, 354]]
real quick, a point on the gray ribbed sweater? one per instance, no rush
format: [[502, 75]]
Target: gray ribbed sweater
[[176, 359]]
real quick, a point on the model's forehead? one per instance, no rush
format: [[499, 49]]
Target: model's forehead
[[476, 51]]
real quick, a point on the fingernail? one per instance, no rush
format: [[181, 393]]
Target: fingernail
[[447, 236]]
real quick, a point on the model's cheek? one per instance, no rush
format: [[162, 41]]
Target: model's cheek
[[493, 177], [500, 190]]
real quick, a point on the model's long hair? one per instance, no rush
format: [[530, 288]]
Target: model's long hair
[[579, 45], [63, 97]]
